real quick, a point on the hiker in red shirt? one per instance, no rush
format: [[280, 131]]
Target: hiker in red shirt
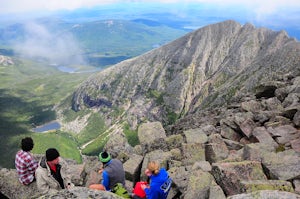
[[25, 162]]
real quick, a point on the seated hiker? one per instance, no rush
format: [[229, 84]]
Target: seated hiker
[[52, 173], [25, 163], [112, 173], [160, 182]]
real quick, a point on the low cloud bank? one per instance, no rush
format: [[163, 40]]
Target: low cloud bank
[[54, 47]]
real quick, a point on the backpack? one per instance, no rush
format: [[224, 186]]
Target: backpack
[[138, 189], [120, 190]]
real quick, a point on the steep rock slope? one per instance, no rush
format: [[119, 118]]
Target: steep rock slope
[[202, 69]]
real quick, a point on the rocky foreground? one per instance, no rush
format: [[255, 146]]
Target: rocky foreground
[[250, 149]]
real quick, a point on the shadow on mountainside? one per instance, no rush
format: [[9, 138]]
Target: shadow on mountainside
[[16, 119]]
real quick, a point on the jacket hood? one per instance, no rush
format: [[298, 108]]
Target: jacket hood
[[43, 163]]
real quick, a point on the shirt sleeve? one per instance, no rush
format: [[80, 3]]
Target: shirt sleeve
[[105, 180]]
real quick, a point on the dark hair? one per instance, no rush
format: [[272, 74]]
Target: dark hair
[[27, 144]]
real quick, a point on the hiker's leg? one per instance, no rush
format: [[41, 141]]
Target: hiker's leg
[[135, 197], [97, 187]]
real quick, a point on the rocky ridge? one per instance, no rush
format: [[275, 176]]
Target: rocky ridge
[[203, 69], [249, 149]]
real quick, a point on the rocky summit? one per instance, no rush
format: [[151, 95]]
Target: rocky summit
[[236, 93]]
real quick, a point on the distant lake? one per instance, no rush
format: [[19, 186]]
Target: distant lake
[[54, 125], [66, 69]]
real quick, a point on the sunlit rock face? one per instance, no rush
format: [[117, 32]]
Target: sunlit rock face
[[203, 69]]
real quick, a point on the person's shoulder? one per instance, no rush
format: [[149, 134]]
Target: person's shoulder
[[116, 160], [21, 153], [163, 170], [40, 170], [18, 153]]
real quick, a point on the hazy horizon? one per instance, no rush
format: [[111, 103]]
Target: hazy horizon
[[40, 41], [276, 15]]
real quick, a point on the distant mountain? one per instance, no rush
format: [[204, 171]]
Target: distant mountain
[[147, 22], [203, 69], [101, 43], [122, 37]]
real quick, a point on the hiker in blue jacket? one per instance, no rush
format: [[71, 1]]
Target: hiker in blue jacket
[[160, 182]]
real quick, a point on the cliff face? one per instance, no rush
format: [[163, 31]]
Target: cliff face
[[200, 70]]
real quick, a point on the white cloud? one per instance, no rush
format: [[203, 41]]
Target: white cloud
[[58, 48]]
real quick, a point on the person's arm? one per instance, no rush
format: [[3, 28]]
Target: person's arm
[[148, 192], [105, 180], [66, 174]]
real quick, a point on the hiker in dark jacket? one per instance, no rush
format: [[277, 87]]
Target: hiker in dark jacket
[[112, 173]]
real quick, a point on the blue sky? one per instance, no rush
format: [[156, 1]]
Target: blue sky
[[274, 14]]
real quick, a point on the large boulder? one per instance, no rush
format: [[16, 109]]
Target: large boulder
[[284, 134], [283, 165], [199, 184], [229, 174], [216, 150], [13, 189], [195, 136], [118, 146], [132, 168], [264, 137], [255, 185], [150, 131], [192, 153], [180, 177]]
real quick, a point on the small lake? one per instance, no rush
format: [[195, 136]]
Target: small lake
[[54, 125], [66, 69]]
